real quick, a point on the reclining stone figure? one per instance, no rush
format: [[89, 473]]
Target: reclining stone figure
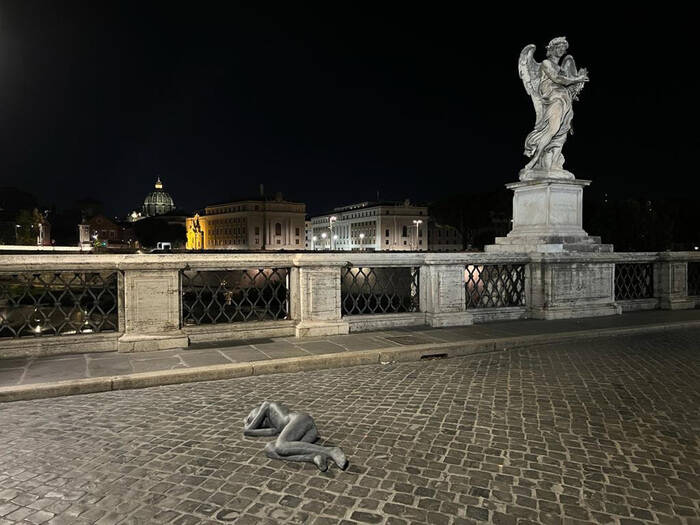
[[296, 432]]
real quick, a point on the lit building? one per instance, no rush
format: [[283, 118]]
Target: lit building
[[158, 202], [256, 224], [308, 234], [444, 238], [107, 232], [372, 226]]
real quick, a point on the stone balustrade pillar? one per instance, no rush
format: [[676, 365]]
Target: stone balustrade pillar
[[151, 311], [442, 295], [671, 284], [318, 305]]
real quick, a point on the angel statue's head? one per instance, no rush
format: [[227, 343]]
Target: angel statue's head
[[557, 46]]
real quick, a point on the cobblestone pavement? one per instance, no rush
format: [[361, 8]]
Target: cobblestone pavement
[[601, 432]]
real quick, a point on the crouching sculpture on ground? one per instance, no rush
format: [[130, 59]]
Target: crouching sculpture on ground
[[296, 433]]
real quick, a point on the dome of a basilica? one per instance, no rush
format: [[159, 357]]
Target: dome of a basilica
[[158, 201]]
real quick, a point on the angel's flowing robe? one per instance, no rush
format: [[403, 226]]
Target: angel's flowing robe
[[554, 123]]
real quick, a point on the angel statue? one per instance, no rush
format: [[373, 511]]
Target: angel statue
[[553, 87]]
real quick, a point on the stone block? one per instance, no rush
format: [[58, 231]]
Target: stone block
[[570, 289]]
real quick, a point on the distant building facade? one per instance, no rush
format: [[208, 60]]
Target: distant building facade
[[104, 230], [444, 238], [308, 234], [372, 226], [256, 224]]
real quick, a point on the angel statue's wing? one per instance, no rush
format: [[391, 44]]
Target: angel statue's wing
[[529, 71]]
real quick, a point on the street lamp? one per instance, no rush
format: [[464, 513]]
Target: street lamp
[[323, 236], [331, 220], [417, 223], [313, 243], [362, 242]]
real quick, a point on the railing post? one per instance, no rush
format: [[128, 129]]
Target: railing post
[[671, 283], [151, 311], [319, 300], [442, 297]]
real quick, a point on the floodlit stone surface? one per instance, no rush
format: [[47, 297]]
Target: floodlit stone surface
[[598, 433]]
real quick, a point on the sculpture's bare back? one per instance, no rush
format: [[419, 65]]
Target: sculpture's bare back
[[553, 85]]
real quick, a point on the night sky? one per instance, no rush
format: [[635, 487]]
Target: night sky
[[327, 103]]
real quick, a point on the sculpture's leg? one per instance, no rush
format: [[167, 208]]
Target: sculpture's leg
[[295, 443], [320, 460]]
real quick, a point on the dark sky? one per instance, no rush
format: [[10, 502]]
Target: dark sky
[[327, 103]]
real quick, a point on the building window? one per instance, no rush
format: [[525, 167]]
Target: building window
[[279, 242], [420, 233], [278, 229], [405, 232], [404, 243], [386, 242], [297, 241], [297, 232], [257, 230], [386, 233]]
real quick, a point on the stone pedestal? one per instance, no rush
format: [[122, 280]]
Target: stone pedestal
[[151, 311], [548, 218], [562, 281]]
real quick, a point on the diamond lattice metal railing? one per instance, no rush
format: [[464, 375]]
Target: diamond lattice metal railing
[[57, 303], [235, 296], [634, 281], [694, 278], [370, 290], [494, 285]]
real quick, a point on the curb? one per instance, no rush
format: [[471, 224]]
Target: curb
[[319, 362]]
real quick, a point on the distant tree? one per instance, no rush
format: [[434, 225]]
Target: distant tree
[[26, 228], [642, 223], [152, 230], [479, 217]]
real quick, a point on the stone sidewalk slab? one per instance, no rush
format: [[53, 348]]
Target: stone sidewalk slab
[[31, 377]]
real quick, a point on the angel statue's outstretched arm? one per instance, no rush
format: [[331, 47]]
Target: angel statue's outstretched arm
[[559, 78]]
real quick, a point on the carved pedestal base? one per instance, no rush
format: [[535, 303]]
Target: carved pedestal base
[[548, 218], [559, 289]]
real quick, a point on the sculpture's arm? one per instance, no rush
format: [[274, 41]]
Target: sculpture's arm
[[553, 74], [259, 417], [260, 432]]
